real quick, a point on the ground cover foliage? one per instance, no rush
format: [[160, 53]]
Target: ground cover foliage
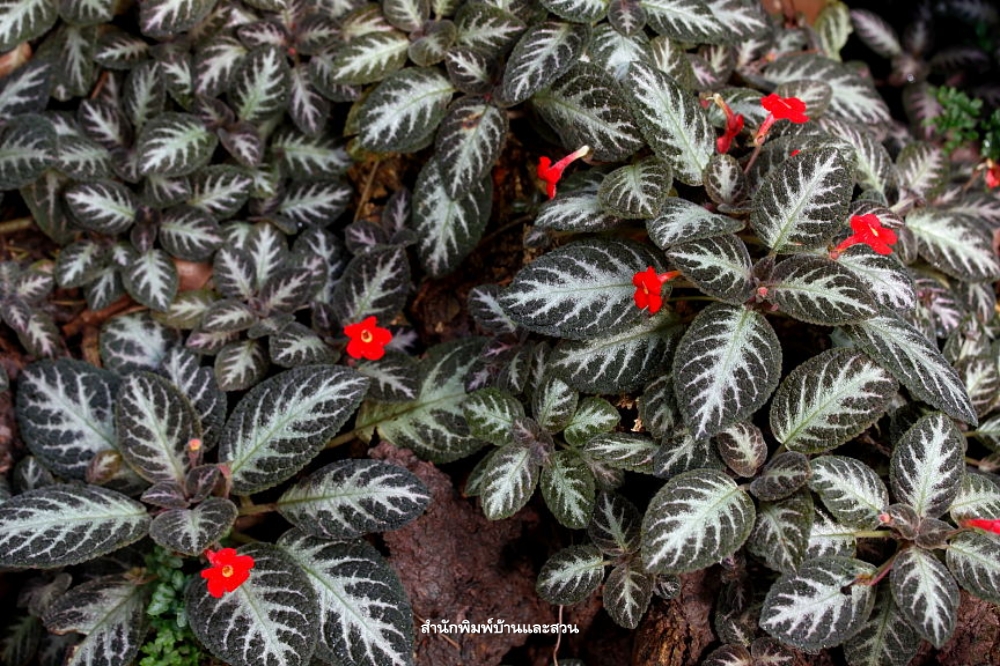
[[747, 285]]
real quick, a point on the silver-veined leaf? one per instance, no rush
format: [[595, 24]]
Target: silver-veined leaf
[[571, 575], [189, 233], [696, 519], [833, 26], [117, 49], [886, 639], [579, 11], [22, 20], [850, 489], [448, 228], [239, 365], [219, 191], [65, 413], [543, 53], [174, 144], [261, 86], [593, 416], [915, 362], [928, 465], [854, 96], [215, 63], [105, 206], [309, 110], [364, 616], [954, 244], [637, 190], [828, 537], [615, 525], [803, 204], [586, 108], [191, 531], [370, 58], [818, 606], [152, 279], [978, 496], [508, 481], [82, 158], [818, 290], [491, 414], [404, 109], [719, 266], [619, 362], [926, 594], [79, 263], [165, 18], [686, 21], [26, 89], [485, 308], [284, 421], [885, 277], [272, 618], [627, 593], [184, 369], [304, 157], [876, 33], [553, 403], [350, 498], [135, 342], [829, 399], [742, 447], [726, 367], [468, 143], [683, 452], [491, 29], [155, 422], [110, 611], [567, 486], [27, 148], [579, 291], [375, 284], [683, 221], [623, 450], [578, 210], [781, 534], [432, 425], [61, 525], [974, 559], [783, 475], [923, 168], [314, 204], [145, 94], [670, 119], [298, 345]]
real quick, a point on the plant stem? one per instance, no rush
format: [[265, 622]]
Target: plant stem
[[13, 226], [342, 439], [871, 534], [257, 509]]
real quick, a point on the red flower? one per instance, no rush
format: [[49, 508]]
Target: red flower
[[868, 230], [984, 524], [785, 108], [228, 571], [992, 174], [780, 108], [551, 173], [649, 287], [367, 339], [734, 125]]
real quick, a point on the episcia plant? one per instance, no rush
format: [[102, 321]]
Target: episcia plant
[[744, 283]]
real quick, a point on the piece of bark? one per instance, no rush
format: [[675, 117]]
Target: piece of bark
[[679, 632], [456, 565]]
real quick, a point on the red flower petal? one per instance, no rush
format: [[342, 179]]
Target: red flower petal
[[229, 570], [367, 339], [984, 524], [785, 108]]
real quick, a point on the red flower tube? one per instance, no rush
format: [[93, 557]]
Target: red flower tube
[[552, 173]]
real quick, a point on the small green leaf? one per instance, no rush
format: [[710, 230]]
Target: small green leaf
[[568, 489]]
